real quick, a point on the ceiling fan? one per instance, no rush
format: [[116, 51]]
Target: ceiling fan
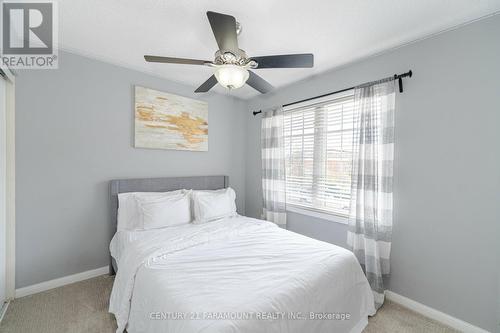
[[231, 64]]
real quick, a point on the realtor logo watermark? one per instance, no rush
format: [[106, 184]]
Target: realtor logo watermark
[[29, 34]]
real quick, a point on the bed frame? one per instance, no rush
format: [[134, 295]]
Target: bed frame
[[158, 185]]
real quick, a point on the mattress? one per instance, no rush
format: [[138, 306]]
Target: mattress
[[236, 275]]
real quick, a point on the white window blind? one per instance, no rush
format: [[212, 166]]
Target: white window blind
[[318, 153]]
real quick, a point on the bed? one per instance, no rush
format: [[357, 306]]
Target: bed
[[236, 274]]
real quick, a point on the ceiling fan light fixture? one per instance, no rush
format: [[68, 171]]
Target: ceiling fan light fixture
[[231, 76], [232, 67]]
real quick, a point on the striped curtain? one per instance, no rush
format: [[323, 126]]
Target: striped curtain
[[273, 167], [370, 218]]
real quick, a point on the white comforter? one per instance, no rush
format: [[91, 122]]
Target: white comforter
[[236, 275]]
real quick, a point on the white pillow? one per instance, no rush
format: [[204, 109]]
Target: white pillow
[[213, 205], [129, 216], [165, 211]]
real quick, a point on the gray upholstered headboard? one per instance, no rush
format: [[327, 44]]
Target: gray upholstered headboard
[[160, 185]]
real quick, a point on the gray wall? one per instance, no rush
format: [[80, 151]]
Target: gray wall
[[74, 133], [445, 250]]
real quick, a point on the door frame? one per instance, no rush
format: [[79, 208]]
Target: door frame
[[10, 182]]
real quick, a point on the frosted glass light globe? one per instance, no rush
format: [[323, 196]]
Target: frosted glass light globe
[[231, 76]]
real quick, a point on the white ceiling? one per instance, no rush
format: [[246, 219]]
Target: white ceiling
[[335, 31]]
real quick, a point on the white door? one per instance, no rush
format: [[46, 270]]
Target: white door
[[3, 165]]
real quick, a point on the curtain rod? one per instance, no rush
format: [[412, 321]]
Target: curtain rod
[[398, 77]]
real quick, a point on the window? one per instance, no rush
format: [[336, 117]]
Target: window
[[318, 154]]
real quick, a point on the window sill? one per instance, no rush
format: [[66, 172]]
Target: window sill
[[319, 215]]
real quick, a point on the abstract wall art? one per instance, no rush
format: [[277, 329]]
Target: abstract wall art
[[168, 121]]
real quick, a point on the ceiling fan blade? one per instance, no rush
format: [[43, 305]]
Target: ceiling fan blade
[[207, 85], [304, 60], [258, 83], [169, 60], [224, 29]]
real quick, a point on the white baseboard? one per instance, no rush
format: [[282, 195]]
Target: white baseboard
[[437, 315], [47, 285]]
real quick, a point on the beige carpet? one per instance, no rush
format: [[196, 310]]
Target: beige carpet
[[83, 307]]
